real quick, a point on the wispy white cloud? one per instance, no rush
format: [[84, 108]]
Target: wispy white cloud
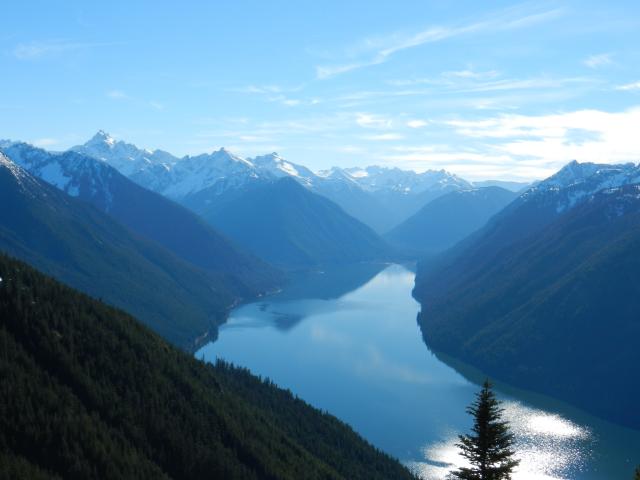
[[522, 147], [277, 94], [459, 93], [381, 49], [599, 60], [291, 102], [43, 49], [534, 83], [122, 96], [629, 86], [45, 142], [383, 137], [284, 100], [470, 73], [369, 120], [265, 89], [117, 95], [470, 163], [417, 123], [350, 149], [584, 135]]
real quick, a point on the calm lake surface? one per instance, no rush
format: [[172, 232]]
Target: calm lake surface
[[347, 341]]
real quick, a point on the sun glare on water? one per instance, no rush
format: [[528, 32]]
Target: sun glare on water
[[547, 445]]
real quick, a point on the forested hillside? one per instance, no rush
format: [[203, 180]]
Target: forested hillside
[[556, 312], [88, 392]]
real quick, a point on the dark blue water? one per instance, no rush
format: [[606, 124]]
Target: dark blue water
[[347, 341]]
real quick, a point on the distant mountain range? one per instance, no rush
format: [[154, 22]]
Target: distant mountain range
[[90, 250], [546, 296], [263, 207], [443, 222], [377, 196], [517, 187], [288, 225], [272, 216], [146, 213]]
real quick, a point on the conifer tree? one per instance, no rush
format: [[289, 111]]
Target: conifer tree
[[637, 476], [489, 448]]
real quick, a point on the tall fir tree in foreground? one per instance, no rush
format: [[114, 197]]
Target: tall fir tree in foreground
[[489, 448], [637, 475]]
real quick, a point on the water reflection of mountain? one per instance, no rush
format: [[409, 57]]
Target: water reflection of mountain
[[537, 400], [607, 440], [329, 283]]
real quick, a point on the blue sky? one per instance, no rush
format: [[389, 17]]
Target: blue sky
[[485, 89]]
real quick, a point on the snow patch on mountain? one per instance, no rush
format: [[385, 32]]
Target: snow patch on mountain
[[376, 178], [53, 173], [14, 169], [273, 165], [26, 182], [194, 174], [222, 170], [74, 173], [576, 182]]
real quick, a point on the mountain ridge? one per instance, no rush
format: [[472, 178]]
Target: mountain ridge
[[288, 225], [207, 176], [548, 288], [446, 220], [88, 249], [147, 213]]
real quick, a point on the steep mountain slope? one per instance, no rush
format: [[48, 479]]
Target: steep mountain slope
[[87, 249], [546, 295], [146, 213], [446, 220], [286, 224], [90, 393], [525, 216]]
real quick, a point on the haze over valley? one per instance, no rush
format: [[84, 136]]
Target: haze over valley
[[337, 241]]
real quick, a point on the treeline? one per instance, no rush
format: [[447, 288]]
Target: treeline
[[88, 392]]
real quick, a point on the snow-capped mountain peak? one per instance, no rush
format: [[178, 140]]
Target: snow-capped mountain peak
[[573, 172], [100, 138], [274, 165], [339, 175], [376, 178], [72, 172], [125, 157], [578, 181]]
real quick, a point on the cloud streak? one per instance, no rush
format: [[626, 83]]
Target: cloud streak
[[628, 87], [385, 48], [45, 49], [599, 60]]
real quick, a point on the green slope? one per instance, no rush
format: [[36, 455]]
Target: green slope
[[87, 392], [150, 215], [555, 312], [88, 250]]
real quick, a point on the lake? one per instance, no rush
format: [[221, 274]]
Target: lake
[[347, 341]]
